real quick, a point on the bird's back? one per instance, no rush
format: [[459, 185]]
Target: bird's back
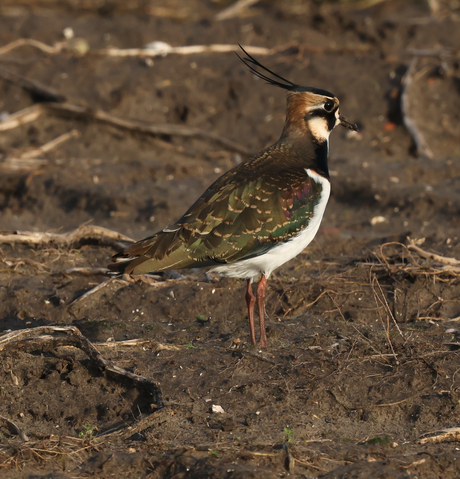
[[263, 202]]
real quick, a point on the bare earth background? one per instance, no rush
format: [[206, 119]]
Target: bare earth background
[[361, 375]]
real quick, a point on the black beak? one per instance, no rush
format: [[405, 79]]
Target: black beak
[[344, 122]]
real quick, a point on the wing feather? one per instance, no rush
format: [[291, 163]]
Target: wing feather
[[238, 217]]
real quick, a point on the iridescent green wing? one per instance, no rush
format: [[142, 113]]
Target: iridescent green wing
[[230, 222], [241, 221]]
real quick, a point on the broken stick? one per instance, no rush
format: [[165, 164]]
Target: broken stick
[[21, 117], [435, 257], [77, 236], [45, 93], [13, 428], [75, 338], [30, 158], [143, 127], [235, 9], [29, 114]]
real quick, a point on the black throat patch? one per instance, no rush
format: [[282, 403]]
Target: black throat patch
[[321, 152]]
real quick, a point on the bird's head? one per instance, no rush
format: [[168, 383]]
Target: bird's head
[[308, 109], [314, 110]]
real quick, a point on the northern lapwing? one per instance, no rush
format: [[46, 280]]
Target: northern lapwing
[[260, 214]]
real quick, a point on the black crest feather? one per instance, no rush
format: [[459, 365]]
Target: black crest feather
[[278, 81], [249, 61]]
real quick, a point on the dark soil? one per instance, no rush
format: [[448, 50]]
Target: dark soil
[[363, 354]]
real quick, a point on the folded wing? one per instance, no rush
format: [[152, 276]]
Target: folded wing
[[235, 219]]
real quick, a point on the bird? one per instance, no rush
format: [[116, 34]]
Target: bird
[[259, 214]]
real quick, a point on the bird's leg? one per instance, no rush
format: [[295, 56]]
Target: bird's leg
[[261, 305], [251, 301]]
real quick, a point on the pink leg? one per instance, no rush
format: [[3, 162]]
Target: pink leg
[[251, 301], [261, 305]]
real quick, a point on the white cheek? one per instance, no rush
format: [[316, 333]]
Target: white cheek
[[337, 116], [318, 127]]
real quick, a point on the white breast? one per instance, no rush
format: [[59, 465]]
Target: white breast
[[265, 264]]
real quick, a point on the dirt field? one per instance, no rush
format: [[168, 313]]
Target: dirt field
[[361, 377]]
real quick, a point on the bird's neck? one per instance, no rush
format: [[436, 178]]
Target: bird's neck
[[306, 149], [321, 154]]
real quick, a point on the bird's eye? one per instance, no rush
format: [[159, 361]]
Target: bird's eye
[[329, 105]]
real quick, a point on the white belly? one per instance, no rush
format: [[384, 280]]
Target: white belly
[[264, 264]]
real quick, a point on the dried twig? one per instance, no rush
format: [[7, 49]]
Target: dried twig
[[384, 302], [91, 291], [450, 269], [153, 50], [310, 464], [86, 271], [451, 434], [429, 52], [20, 164], [415, 463], [435, 257], [161, 49], [77, 236], [386, 326], [235, 9], [290, 460], [135, 343], [75, 338], [143, 127], [409, 122], [124, 431], [126, 279], [414, 267], [295, 308], [13, 428], [32, 113], [33, 43], [21, 117], [50, 145], [44, 92], [29, 158], [64, 447]]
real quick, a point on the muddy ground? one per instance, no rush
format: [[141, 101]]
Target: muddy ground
[[361, 373]]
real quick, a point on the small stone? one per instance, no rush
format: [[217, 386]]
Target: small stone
[[377, 220]]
